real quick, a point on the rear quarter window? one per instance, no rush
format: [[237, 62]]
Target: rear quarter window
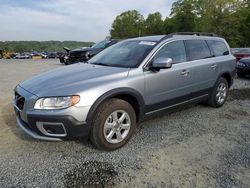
[[197, 49], [218, 48]]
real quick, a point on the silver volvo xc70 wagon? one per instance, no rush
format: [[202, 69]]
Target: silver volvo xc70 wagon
[[107, 97]]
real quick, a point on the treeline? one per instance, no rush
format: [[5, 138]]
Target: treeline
[[40, 46], [227, 18]]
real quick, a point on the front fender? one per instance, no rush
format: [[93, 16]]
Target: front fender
[[113, 93]]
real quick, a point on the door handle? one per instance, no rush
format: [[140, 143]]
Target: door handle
[[213, 66], [184, 72]]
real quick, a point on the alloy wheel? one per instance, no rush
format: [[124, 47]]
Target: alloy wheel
[[117, 126]]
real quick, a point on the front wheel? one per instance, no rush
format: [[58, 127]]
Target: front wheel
[[219, 94], [61, 59], [113, 124]]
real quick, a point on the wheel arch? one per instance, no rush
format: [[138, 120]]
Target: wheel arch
[[133, 97], [228, 77]]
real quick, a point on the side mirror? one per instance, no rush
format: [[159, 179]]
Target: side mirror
[[162, 63]]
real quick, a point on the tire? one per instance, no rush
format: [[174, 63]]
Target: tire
[[61, 59], [219, 94], [105, 127], [240, 75]]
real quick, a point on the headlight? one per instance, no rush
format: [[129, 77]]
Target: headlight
[[87, 55], [55, 103], [240, 64]]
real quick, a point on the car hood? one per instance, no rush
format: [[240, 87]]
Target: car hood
[[72, 79], [245, 60]]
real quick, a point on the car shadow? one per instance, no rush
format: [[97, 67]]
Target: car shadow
[[9, 119], [247, 78]]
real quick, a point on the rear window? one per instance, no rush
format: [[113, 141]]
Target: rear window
[[219, 48], [197, 49]]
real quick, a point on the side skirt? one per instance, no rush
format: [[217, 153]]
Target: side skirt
[[172, 104], [184, 103]]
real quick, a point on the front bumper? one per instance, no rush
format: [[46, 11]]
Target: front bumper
[[243, 70], [75, 59], [33, 134], [53, 128], [54, 125]]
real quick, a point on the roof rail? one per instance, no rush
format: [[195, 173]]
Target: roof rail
[[196, 33], [189, 33]]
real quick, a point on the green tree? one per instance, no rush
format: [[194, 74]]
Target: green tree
[[154, 25], [223, 17], [244, 24], [182, 17], [128, 24], [47, 46], [227, 18], [169, 25]]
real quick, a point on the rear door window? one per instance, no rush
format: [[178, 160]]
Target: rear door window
[[219, 48], [197, 49]]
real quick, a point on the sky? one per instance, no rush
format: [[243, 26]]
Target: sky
[[79, 20]]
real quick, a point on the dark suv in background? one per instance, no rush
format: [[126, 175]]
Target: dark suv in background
[[85, 53]]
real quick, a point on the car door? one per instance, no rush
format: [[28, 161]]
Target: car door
[[171, 86], [205, 67]]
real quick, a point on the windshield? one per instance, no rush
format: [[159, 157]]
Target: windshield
[[128, 53], [101, 44]]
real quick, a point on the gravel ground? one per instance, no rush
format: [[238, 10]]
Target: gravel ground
[[195, 147]]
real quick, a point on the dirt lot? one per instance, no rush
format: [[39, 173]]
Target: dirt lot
[[195, 147]]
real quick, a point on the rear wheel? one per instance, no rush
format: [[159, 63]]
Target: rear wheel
[[113, 124], [219, 94]]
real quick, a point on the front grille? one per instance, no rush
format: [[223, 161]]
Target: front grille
[[75, 55], [19, 101]]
